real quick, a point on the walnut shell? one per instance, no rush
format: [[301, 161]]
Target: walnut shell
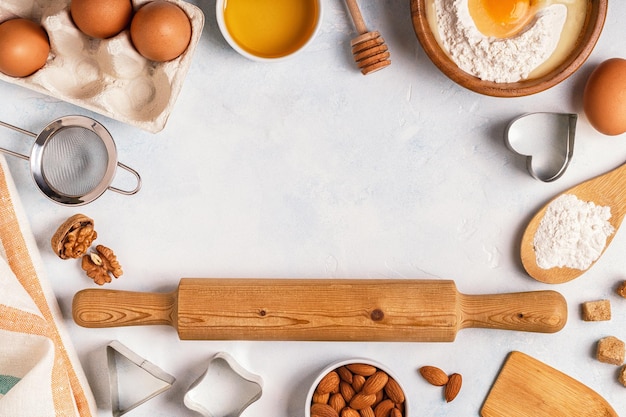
[[74, 237]]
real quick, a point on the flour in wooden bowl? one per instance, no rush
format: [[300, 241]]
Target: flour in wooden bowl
[[501, 60]]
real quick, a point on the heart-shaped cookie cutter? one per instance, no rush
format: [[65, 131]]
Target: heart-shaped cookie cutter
[[225, 389], [546, 140]]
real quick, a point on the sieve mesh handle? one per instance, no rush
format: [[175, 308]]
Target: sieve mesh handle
[[17, 129], [132, 171]]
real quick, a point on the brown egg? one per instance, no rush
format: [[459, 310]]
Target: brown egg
[[24, 47], [604, 99], [101, 18], [160, 31]]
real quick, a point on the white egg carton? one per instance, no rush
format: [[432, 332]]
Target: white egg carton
[[107, 76]]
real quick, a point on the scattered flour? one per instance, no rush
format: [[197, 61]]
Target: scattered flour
[[572, 233], [493, 59]]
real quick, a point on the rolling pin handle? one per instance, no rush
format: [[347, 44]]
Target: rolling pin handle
[[110, 308], [533, 311]]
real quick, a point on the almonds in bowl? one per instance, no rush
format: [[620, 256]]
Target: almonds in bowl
[[356, 388]]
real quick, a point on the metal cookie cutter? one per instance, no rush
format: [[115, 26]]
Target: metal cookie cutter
[[547, 141], [225, 389], [133, 379]]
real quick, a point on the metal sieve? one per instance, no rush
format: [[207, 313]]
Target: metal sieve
[[73, 160]]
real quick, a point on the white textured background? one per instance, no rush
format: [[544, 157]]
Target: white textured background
[[306, 168]]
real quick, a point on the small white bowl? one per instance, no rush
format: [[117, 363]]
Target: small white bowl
[[336, 365], [220, 6]]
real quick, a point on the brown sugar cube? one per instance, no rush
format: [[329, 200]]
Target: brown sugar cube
[[622, 376], [621, 290], [597, 310], [610, 350]]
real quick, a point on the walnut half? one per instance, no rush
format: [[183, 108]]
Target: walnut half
[[101, 265], [74, 237]]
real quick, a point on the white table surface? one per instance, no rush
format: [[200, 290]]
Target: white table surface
[[306, 168]]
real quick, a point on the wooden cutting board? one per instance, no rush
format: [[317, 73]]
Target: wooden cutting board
[[320, 309], [527, 387]]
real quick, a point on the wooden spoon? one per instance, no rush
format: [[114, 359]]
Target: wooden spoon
[[608, 190], [369, 48]]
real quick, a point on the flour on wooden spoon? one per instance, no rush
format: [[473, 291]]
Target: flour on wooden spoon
[[572, 233]]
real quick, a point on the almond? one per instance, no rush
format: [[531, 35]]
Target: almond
[[434, 375], [367, 412], [329, 383], [346, 391], [337, 402], [394, 391], [357, 382], [360, 401], [380, 395], [320, 398], [396, 412], [349, 412], [362, 369], [375, 383], [384, 408], [323, 410], [345, 374], [453, 387]]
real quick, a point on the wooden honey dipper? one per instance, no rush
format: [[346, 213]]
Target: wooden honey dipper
[[369, 48]]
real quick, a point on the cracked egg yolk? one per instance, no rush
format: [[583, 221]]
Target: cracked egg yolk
[[500, 18]]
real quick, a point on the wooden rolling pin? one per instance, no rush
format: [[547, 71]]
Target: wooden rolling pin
[[320, 309]]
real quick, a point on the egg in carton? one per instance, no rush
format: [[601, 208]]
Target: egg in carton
[[107, 76]]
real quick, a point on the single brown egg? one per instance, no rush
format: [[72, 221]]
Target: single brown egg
[[604, 99], [24, 47], [160, 31], [101, 18]]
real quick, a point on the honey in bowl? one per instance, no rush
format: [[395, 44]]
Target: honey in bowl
[[271, 28]]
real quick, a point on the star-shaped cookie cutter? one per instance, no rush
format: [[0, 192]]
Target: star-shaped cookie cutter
[[225, 389]]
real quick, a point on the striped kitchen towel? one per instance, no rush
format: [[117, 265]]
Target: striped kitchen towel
[[40, 374]]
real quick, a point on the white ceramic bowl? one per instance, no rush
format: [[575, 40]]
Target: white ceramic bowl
[[221, 22], [336, 365]]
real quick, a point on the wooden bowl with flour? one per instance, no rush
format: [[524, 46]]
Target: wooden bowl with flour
[[583, 40]]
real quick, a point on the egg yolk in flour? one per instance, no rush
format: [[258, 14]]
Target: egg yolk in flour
[[500, 18]]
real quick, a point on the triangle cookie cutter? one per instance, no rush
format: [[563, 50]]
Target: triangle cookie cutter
[[118, 357]]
